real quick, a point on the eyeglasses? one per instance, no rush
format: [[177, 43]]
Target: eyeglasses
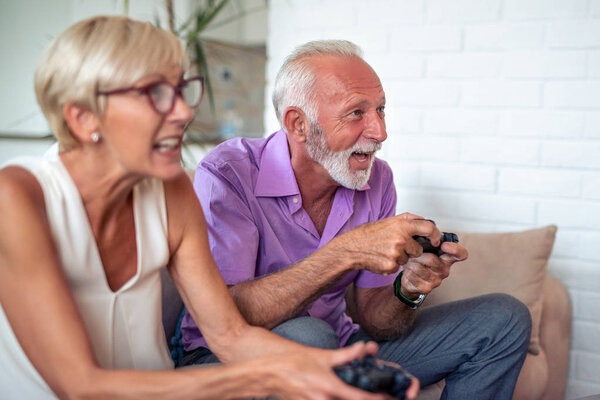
[[162, 94]]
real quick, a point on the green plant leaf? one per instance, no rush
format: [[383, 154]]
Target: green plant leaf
[[211, 13], [203, 70]]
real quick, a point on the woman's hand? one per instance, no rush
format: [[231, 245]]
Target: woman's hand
[[309, 374], [413, 389]]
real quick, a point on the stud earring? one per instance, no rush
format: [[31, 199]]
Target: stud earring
[[95, 137]]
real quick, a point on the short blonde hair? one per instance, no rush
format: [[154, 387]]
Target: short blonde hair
[[99, 53]]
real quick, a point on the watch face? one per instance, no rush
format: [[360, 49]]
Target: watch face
[[421, 298]]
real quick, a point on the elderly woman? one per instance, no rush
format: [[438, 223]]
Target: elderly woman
[[83, 236]]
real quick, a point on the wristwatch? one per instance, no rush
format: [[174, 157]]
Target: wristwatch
[[413, 304]]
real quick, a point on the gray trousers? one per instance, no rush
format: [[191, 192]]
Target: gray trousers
[[477, 345]]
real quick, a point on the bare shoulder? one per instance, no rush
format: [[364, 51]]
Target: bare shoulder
[[184, 212], [181, 198], [19, 189], [23, 213], [178, 190]]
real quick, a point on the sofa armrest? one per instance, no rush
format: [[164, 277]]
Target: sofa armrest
[[555, 335], [544, 374]]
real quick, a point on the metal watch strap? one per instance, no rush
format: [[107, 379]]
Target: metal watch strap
[[413, 304]]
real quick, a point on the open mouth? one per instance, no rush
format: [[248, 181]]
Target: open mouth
[[361, 157], [169, 144]]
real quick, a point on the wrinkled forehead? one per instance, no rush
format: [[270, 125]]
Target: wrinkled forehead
[[343, 77]]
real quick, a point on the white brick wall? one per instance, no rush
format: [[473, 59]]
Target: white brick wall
[[544, 9], [493, 119], [543, 123], [504, 36]]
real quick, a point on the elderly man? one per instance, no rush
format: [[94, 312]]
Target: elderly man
[[301, 216]]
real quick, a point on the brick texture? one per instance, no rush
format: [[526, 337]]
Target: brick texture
[[493, 119]]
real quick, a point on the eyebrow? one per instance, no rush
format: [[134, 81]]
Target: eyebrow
[[149, 79], [159, 77], [360, 104]]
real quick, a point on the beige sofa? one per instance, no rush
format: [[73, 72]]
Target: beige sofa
[[516, 263]]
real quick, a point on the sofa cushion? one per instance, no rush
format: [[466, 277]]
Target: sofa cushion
[[513, 263]]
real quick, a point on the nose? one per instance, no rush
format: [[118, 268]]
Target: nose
[[375, 127], [181, 110]]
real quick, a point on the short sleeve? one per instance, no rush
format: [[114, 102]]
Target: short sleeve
[[388, 196], [233, 236]]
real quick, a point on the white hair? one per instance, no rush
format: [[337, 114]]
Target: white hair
[[296, 77]]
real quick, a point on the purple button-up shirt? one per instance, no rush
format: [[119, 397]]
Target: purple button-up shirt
[[257, 225]]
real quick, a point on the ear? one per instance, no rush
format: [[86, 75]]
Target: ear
[[296, 123], [81, 122]]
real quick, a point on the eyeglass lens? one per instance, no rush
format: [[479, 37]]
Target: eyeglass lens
[[192, 92], [163, 94]]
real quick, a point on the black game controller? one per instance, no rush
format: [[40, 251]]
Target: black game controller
[[367, 374], [429, 248]]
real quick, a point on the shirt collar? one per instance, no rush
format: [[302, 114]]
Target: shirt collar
[[275, 176], [362, 189]]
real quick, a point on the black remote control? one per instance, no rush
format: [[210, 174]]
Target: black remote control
[[367, 374], [429, 248]]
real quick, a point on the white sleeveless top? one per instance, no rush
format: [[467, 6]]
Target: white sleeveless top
[[125, 327]]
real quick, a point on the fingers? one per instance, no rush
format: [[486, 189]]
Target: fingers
[[371, 348], [427, 228], [454, 252], [409, 216], [411, 249], [419, 226], [359, 350], [382, 246], [400, 232], [351, 353], [413, 390], [345, 355], [424, 274], [352, 393]]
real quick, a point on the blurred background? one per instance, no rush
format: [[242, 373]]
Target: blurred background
[[493, 109], [227, 37]]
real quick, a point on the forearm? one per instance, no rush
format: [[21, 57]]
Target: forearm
[[240, 380], [270, 300], [382, 315], [385, 315], [253, 342]]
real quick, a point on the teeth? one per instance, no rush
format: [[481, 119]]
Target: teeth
[[361, 156], [167, 144]]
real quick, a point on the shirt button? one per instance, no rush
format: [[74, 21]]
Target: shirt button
[[295, 200]]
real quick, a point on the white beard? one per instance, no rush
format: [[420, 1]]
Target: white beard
[[337, 162]]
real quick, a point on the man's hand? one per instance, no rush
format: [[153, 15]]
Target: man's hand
[[382, 246], [423, 274], [391, 245]]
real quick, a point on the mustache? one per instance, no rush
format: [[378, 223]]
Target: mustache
[[365, 147]]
